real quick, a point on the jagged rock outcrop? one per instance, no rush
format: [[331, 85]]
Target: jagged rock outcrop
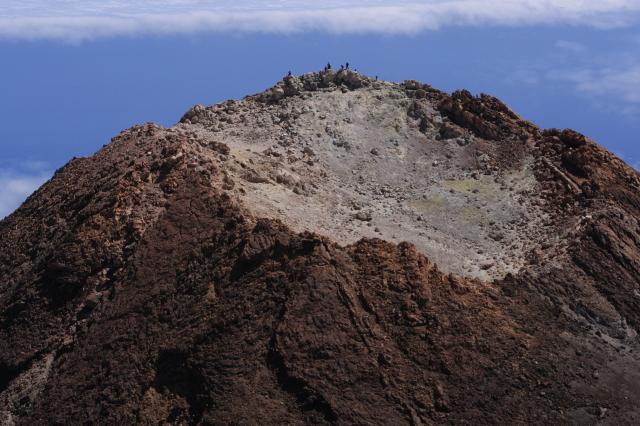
[[335, 250]]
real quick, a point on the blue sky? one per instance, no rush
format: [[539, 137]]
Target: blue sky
[[74, 73]]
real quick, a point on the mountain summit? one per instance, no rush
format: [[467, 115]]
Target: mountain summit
[[334, 250]]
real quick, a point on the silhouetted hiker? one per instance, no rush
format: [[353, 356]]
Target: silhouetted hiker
[[347, 65], [341, 67], [289, 74], [328, 67]]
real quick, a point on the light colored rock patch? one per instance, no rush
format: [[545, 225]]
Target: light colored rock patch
[[354, 164], [24, 390]]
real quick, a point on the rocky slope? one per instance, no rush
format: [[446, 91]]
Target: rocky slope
[[335, 250]]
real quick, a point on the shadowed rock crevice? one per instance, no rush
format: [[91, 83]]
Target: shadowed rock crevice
[[8, 373], [176, 376], [307, 398]]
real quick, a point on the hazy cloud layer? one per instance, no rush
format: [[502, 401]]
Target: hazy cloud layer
[[620, 83], [571, 46], [16, 185], [607, 76], [85, 19], [614, 87]]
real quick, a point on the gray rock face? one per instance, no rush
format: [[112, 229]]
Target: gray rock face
[[313, 81]]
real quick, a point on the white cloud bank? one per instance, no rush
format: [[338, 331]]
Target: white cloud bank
[[16, 186], [75, 20]]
